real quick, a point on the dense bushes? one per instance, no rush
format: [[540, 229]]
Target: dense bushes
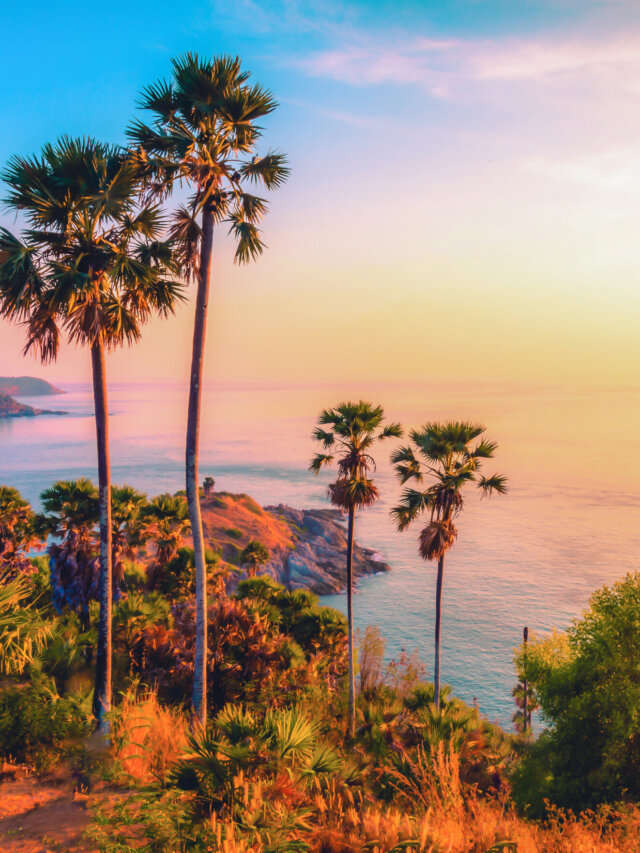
[[36, 723], [250, 654], [588, 686]]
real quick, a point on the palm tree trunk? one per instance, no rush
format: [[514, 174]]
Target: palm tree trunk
[[102, 692], [436, 668], [199, 699], [352, 677]]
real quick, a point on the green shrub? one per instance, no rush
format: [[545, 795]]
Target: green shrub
[[233, 532], [36, 724]]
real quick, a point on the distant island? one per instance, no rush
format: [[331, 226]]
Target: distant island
[[10, 408], [27, 386], [24, 386]]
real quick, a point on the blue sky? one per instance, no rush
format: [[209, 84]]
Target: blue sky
[[470, 157]]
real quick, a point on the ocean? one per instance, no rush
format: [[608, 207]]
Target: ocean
[[568, 525]]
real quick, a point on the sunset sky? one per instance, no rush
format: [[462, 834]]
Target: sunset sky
[[465, 192]]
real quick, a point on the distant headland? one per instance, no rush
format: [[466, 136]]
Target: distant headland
[[24, 386], [27, 386]]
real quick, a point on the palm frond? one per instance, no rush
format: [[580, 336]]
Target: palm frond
[[393, 430], [319, 461], [327, 438], [495, 483], [270, 170], [249, 246]]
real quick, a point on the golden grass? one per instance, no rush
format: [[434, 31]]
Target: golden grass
[[147, 737], [457, 821], [433, 812]]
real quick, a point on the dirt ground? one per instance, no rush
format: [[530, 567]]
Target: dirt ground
[[41, 815]]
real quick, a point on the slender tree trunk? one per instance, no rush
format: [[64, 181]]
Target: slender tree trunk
[[352, 676], [525, 684], [436, 668], [102, 692], [199, 699]]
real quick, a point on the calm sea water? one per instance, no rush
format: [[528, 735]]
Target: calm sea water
[[569, 524]]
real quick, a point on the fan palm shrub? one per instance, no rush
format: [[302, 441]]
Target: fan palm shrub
[[71, 512], [91, 263], [253, 556], [204, 134], [349, 431], [130, 527], [167, 517], [25, 627], [445, 456], [17, 533]]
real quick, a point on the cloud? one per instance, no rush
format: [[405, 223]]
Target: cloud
[[419, 62], [616, 169], [442, 65], [537, 59]]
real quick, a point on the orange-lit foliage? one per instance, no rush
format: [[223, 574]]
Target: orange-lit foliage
[[248, 657], [147, 737]]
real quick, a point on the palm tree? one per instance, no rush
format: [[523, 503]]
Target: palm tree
[[91, 263], [72, 510], [205, 134], [168, 519], [353, 430], [253, 556], [208, 485], [443, 455], [130, 528]]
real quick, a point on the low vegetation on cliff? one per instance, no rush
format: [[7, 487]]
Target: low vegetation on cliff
[[276, 768]]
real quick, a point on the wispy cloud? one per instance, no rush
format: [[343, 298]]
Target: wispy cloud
[[440, 64], [616, 169]]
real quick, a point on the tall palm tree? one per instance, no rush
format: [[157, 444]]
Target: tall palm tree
[[205, 134], [91, 264], [444, 455], [353, 429]]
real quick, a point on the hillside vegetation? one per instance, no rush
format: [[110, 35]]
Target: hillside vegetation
[[275, 769]]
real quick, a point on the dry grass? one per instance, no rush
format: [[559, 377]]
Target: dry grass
[[453, 820], [147, 737], [433, 811]]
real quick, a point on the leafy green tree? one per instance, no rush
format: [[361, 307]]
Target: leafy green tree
[[353, 429], [90, 263], [205, 134], [442, 454], [17, 533], [253, 556], [586, 681]]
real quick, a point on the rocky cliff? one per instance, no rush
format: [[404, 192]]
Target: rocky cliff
[[307, 547], [317, 560]]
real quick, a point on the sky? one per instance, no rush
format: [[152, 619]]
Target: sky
[[465, 190]]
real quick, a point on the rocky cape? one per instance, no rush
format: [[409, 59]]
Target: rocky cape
[[10, 408], [307, 547]]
